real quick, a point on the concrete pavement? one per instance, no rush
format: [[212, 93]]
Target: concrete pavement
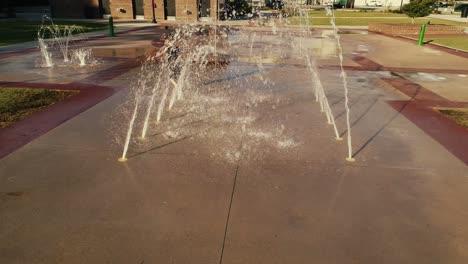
[[287, 196]]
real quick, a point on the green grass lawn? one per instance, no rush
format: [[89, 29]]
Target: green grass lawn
[[17, 103], [459, 116], [454, 42], [356, 14], [364, 21], [21, 31]]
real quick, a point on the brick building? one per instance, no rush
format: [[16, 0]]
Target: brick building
[[191, 10], [75, 8]]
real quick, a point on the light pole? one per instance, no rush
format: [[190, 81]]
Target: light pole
[[154, 16]]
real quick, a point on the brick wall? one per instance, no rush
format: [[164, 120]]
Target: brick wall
[[409, 29], [122, 9], [182, 6], [147, 9], [159, 10], [75, 8], [213, 9]]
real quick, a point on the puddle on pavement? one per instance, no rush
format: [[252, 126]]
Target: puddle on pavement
[[14, 193], [352, 32], [423, 77], [361, 49], [122, 52], [322, 48]]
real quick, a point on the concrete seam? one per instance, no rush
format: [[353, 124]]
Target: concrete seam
[[228, 215]]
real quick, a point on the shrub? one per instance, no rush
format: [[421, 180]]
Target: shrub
[[418, 8]]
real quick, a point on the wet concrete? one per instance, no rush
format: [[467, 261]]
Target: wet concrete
[[183, 198]]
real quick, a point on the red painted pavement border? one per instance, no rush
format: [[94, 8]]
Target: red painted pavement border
[[420, 109], [450, 135], [368, 65], [413, 90], [114, 71], [39, 123]]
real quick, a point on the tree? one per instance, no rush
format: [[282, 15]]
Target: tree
[[418, 8], [235, 9]]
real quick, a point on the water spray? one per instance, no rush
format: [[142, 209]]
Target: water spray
[[345, 83]]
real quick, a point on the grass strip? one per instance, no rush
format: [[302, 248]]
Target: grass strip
[[458, 115], [21, 31], [460, 43], [364, 21], [18, 103], [356, 14]]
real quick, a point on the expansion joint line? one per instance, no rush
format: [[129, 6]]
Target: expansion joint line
[[228, 215]]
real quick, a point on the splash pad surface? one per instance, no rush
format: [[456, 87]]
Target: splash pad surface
[[247, 167]]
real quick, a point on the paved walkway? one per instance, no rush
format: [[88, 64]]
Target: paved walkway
[[455, 18], [253, 174]]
